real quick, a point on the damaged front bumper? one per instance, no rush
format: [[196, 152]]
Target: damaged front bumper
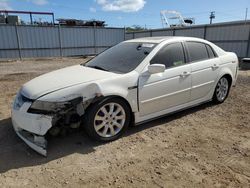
[[31, 128]]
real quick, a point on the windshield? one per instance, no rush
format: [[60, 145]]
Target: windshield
[[121, 58]]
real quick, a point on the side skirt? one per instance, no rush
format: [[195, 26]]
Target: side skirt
[[172, 112]]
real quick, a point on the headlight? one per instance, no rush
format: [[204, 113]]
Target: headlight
[[47, 106], [44, 107], [20, 100]]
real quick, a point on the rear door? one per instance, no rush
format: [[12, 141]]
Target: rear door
[[204, 68]]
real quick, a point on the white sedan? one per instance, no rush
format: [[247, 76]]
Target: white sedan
[[133, 82]]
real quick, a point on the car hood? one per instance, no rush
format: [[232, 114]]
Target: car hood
[[61, 79]]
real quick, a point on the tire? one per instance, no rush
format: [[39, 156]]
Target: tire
[[221, 90], [107, 120]]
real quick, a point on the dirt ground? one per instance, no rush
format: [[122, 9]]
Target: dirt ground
[[206, 146]]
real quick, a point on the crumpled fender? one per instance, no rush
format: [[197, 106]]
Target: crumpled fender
[[106, 87]]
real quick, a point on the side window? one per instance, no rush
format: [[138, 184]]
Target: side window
[[170, 55], [210, 52], [197, 51]]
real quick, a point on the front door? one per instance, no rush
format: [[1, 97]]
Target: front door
[[161, 91]]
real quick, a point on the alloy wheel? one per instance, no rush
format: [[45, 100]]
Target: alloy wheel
[[222, 89], [109, 120]]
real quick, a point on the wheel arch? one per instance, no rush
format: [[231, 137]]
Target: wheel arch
[[226, 72], [101, 98], [229, 77]]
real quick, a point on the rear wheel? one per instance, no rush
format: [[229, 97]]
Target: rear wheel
[[108, 119], [222, 90]]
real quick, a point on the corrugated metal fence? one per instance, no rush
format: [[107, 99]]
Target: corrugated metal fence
[[20, 41], [234, 36], [54, 41]]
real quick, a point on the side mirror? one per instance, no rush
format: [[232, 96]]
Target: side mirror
[[156, 68]]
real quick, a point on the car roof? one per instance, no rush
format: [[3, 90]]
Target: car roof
[[158, 40], [163, 38]]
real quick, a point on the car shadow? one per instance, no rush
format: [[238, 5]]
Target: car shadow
[[15, 154]]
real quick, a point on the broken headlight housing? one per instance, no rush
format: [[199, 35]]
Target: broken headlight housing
[[44, 107], [20, 100]]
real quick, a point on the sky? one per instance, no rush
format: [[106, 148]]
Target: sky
[[125, 13]]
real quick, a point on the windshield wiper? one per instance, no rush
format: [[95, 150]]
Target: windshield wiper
[[97, 67]]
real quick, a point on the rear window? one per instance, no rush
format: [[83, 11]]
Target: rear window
[[197, 51]]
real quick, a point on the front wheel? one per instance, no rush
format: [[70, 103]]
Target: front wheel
[[106, 120], [222, 90]]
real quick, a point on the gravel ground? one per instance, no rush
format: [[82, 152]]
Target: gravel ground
[[206, 146]]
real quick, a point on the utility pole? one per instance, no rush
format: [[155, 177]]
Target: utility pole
[[246, 14], [212, 16]]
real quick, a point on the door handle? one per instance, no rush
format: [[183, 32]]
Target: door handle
[[215, 66], [185, 74]]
